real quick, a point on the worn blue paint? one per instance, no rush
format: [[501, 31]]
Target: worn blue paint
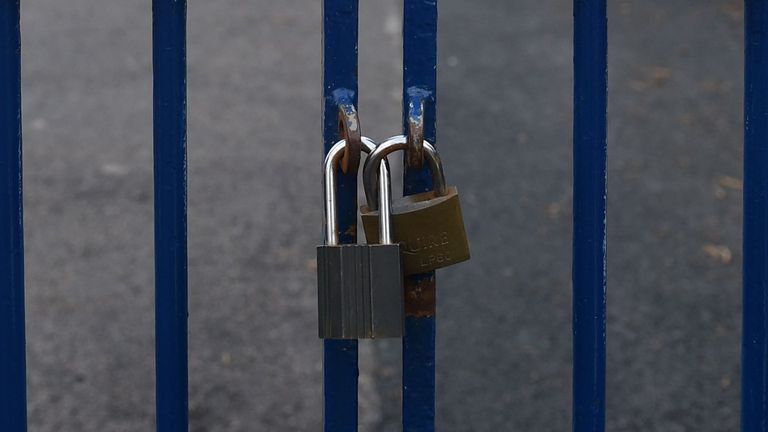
[[419, 83], [754, 356], [340, 385], [340, 370], [419, 374], [589, 214], [13, 397], [170, 149], [420, 78]]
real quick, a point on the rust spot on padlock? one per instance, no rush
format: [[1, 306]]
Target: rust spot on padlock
[[420, 298]]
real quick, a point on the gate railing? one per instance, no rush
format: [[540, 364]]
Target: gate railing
[[590, 43], [340, 87], [170, 161], [13, 393], [754, 353], [419, 85]]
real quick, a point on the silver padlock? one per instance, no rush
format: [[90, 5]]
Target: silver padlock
[[360, 287]]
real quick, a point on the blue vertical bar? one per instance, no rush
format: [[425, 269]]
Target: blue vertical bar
[[340, 371], [754, 378], [419, 84], [589, 214], [13, 393], [170, 130]]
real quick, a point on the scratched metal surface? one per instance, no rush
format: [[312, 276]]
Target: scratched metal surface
[[503, 343]]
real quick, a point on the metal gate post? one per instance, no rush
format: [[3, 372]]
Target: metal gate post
[[13, 397], [340, 369], [170, 165], [589, 214], [754, 355], [419, 90]]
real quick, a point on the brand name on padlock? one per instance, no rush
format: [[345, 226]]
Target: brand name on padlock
[[420, 247], [429, 261], [426, 242]]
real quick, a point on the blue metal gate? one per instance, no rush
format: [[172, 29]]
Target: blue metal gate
[[419, 90], [13, 394]]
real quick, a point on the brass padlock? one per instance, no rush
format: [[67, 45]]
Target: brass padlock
[[429, 225]]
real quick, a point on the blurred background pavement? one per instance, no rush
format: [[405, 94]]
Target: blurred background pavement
[[504, 344]]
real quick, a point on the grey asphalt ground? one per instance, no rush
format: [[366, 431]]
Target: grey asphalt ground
[[255, 214]]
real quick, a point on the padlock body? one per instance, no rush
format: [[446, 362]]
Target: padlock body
[[430, 230], [360, 291]]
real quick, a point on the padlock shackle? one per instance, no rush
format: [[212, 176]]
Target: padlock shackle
[[393, 144], [330, 165], [385, 205]]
